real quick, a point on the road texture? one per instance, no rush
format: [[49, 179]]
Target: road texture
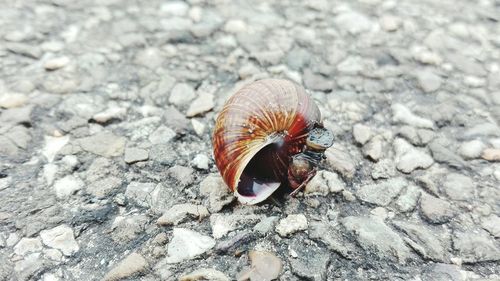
[[107, 109]]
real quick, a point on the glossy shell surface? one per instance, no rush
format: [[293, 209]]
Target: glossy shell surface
[[265, 123]]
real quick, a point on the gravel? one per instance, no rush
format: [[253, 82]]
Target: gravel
[[107, 111], [187, 244], [291, 224]]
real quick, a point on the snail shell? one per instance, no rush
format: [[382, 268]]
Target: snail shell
[[257, 132]]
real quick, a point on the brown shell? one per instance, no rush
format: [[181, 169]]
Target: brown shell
[[265, 112]]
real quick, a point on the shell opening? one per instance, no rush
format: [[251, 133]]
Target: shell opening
[[260, 178]]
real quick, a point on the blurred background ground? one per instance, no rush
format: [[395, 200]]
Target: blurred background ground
[[107, 108]]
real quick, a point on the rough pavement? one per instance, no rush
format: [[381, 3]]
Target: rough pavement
[[106, 111]]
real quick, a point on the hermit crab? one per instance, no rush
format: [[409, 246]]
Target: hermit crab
[[268, 135]]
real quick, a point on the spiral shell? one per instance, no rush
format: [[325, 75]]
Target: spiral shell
[[258, 130]]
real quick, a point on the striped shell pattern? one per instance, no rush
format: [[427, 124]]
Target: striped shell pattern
[[258, 130]]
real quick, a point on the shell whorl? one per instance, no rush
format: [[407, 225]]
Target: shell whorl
[[261, 113]]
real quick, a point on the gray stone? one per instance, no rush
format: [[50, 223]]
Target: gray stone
[[67, 186], [187, 244], [235, 26], [112, 113], [27, 246], [323, 183], [374, 148], [20, 136], [208, 274], [130, 265], [291, 224], [409, 158], [408, 199], [475, 246], [19, 115], [161, 135], [425, 135], [428, 81], [12, 239], [163, 154], [482, 129], [149, 57], [492, 225], [298, 58], [65, 83], [105, 186], [317, 82], [311, 262], [127, 228], [436, 210], [140, 193], [410, 134], [401, 114], [353, 22], [133, 155], [429, 182], [7, 147], [12, 100], [2, 239], [179, 213], [332, 238], [390, 23], [361, 133], [53, 145], [105, 144], [443, 272], [223, 224], [383, 169], [381, 193], [373, 235], [430, 244], [181, 94], [62, 238], [201, 162], [471, 149], [26, 50], [174, 8], [56, 63], [202, 104], [175, 120], [466, 64], [268, 57], [248, 70], [459, 187], [217, 192], [198, 127], [491, 154], [237, 242], [29, 267], [341, 162], [442, 154], [266, 225], [183, 175], [5, 182]]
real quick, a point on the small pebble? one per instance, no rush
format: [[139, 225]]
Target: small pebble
[[198, 127], [361, 133], [56, 63], [291, 224], [390, 23], [471, 149], [201, 161], [12, 100], [491, 154], [133, 155]]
